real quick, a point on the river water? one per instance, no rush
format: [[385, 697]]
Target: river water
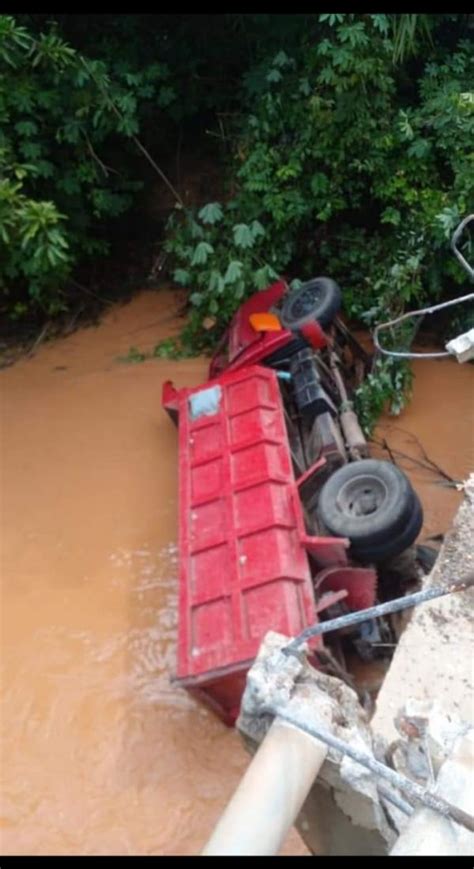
[[100, 754]]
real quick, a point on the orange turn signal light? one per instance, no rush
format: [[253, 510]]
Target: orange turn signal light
[[265, 322]]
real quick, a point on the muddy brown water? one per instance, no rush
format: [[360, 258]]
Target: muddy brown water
[[100, 753]]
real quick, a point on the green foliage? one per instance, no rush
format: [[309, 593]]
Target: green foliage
[[33, 242], [386, 388], [407, 31], [346, 141], [61, 115], [342, 166], [172, 348], [134, 356], [233, 257]]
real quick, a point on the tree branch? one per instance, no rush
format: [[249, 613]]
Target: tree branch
[[105, 169], [133, 137]]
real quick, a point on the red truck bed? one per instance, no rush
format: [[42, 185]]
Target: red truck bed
[[243, 566]]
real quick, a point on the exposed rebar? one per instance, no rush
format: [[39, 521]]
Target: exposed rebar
[[392, 606], [414, 792]]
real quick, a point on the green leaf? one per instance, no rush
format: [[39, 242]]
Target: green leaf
[[201, 253], [419, 148], [305, 87], [319, 183], [234, 271], [381, 23], [26, 128], [211, 213], [274, 76], [405, 126], [132, 78], [44, 168], [166, 95], [134, 356], [240, 290], [264, 276], [216, 282], [448, 220], [281, 59], [332, 19], [181, 276], [70, 185], [243, 236], [391, 215], [30, 150], [256, 229], [196, 230]]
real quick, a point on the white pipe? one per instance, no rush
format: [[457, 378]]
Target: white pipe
[[270, 795]]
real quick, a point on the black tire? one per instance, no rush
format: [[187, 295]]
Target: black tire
[[368, 501], [318, 299], [395, 546]]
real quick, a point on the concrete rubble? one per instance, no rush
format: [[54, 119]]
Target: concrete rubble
[[422, 725]]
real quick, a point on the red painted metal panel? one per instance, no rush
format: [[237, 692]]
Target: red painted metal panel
[[245, 346], [359, 583], [243, 567], [242, 333], [314, 335]]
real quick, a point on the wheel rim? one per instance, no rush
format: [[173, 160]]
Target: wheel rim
[[362, 496], [305, 301]]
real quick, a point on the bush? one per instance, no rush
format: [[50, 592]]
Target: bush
[[345, 141], [347, 164], [61, 114], [340, 170]]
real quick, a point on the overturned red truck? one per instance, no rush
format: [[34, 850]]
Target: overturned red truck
[[284, 518]]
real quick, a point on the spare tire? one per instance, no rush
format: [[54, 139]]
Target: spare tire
[[318, 299], [368, 501]]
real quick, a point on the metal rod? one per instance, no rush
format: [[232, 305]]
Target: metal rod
[[456, 235], [382, 609], [420, 313], [412, 791], [333, 361], [397, 801]]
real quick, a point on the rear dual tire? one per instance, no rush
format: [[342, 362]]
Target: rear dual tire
[[373, 504]]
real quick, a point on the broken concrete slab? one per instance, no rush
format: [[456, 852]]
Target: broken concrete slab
[[429, 834], [431, 676], [434, 659], [345, 793]]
